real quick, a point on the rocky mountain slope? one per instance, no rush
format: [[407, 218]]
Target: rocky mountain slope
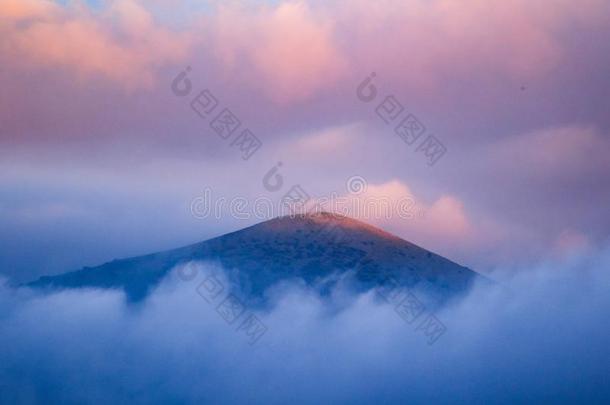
[[318, 249]]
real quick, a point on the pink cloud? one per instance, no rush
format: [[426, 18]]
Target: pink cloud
[[122, 43], [569, 151], [444, 219], [297, 50], [290, 49], [19, 10], [447, 216], [393, 206], [294, 51], [570, 242], [325, 142], [422, 43]]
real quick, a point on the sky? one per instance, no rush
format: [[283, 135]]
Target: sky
[[102, 154], [129, 127]]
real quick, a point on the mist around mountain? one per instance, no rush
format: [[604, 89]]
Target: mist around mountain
[[538, 335]]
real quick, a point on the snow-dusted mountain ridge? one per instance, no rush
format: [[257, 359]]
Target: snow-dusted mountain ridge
[[311, 247]]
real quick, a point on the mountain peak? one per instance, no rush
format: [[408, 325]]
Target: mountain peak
[[327, 223]]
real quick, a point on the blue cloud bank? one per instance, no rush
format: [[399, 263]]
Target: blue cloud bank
[[537, 336]]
